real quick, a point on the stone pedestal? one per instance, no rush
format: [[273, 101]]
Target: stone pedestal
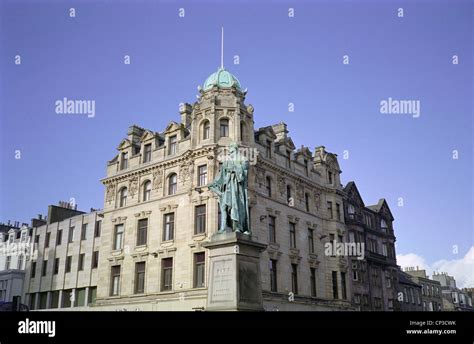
[[235, 281]]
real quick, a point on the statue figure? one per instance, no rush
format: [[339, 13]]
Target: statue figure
[[230, 185]]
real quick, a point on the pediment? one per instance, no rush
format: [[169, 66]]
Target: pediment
[[124, 144]]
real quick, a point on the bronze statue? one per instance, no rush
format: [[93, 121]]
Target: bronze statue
[[231, 185]]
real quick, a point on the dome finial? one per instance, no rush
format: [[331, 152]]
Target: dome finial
[[222, 47]]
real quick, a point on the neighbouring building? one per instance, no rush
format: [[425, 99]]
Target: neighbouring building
[[373, 278], [409, 294], [14, 250], [63, 272], [430, 289], [454, 299]]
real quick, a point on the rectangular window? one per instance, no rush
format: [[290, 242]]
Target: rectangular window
[[200, 219], [147, 153], [338, 211], [95, 260], [268, 149], [330, 177], [56, 266], [20, 262], [124, 163], [384, 249], [46, 239], [115, 280], [84, 232], [33, 269], [288, 159], [334, 285], [71, 235], [202, 175], [168, 228], [311, 240], [271, 229], [292, 235], [118, 237], [37, 239], [313, 281], [68, 263], [140, 278], [273, 275], [97, 229], [59, 237], [294, 278], [173, 145], [199, 269], [142, 232], [80, 265], [330, 209], [166, 274], [8, 262], [45, 268], [343, 285]]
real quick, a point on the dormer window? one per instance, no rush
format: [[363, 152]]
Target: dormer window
[[11, 238], [23, 236], [351, 211], [224, 127], [124, 161], [173, 148], [147, 153], [330, 179], [268, 149]]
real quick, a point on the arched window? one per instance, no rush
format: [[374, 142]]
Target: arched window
[[206, 130], [146, 190], [123, 193], [268, 186], [351, 211], [172, 184], [383, 225], [224, 127]]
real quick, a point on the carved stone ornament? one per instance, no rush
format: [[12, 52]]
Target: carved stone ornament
[[317, 199], [110, 194], [281, 184], [157, 179], [133, 186]]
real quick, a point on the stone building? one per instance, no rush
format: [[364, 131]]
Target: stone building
[[430, 289], [14, 250], [159, 214], [62, 272], [454, 299], [410, 293], [374, 275]]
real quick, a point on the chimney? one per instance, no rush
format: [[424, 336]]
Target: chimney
[[185, 110]]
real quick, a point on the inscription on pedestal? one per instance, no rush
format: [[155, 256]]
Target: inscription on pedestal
[[223, 276]]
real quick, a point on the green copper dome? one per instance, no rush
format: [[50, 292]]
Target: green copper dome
[[221, 78]]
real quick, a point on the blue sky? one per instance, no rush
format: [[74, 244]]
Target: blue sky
[[282, 60]]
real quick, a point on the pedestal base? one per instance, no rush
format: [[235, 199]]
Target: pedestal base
[[235, 282]]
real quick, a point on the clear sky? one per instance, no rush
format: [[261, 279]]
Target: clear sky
[[283, 60]]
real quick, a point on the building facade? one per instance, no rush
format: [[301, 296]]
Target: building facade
[[409, 294], [430, 289], [454, 299], [373, 276], [14, 251], [63, 272], [159, 219]]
